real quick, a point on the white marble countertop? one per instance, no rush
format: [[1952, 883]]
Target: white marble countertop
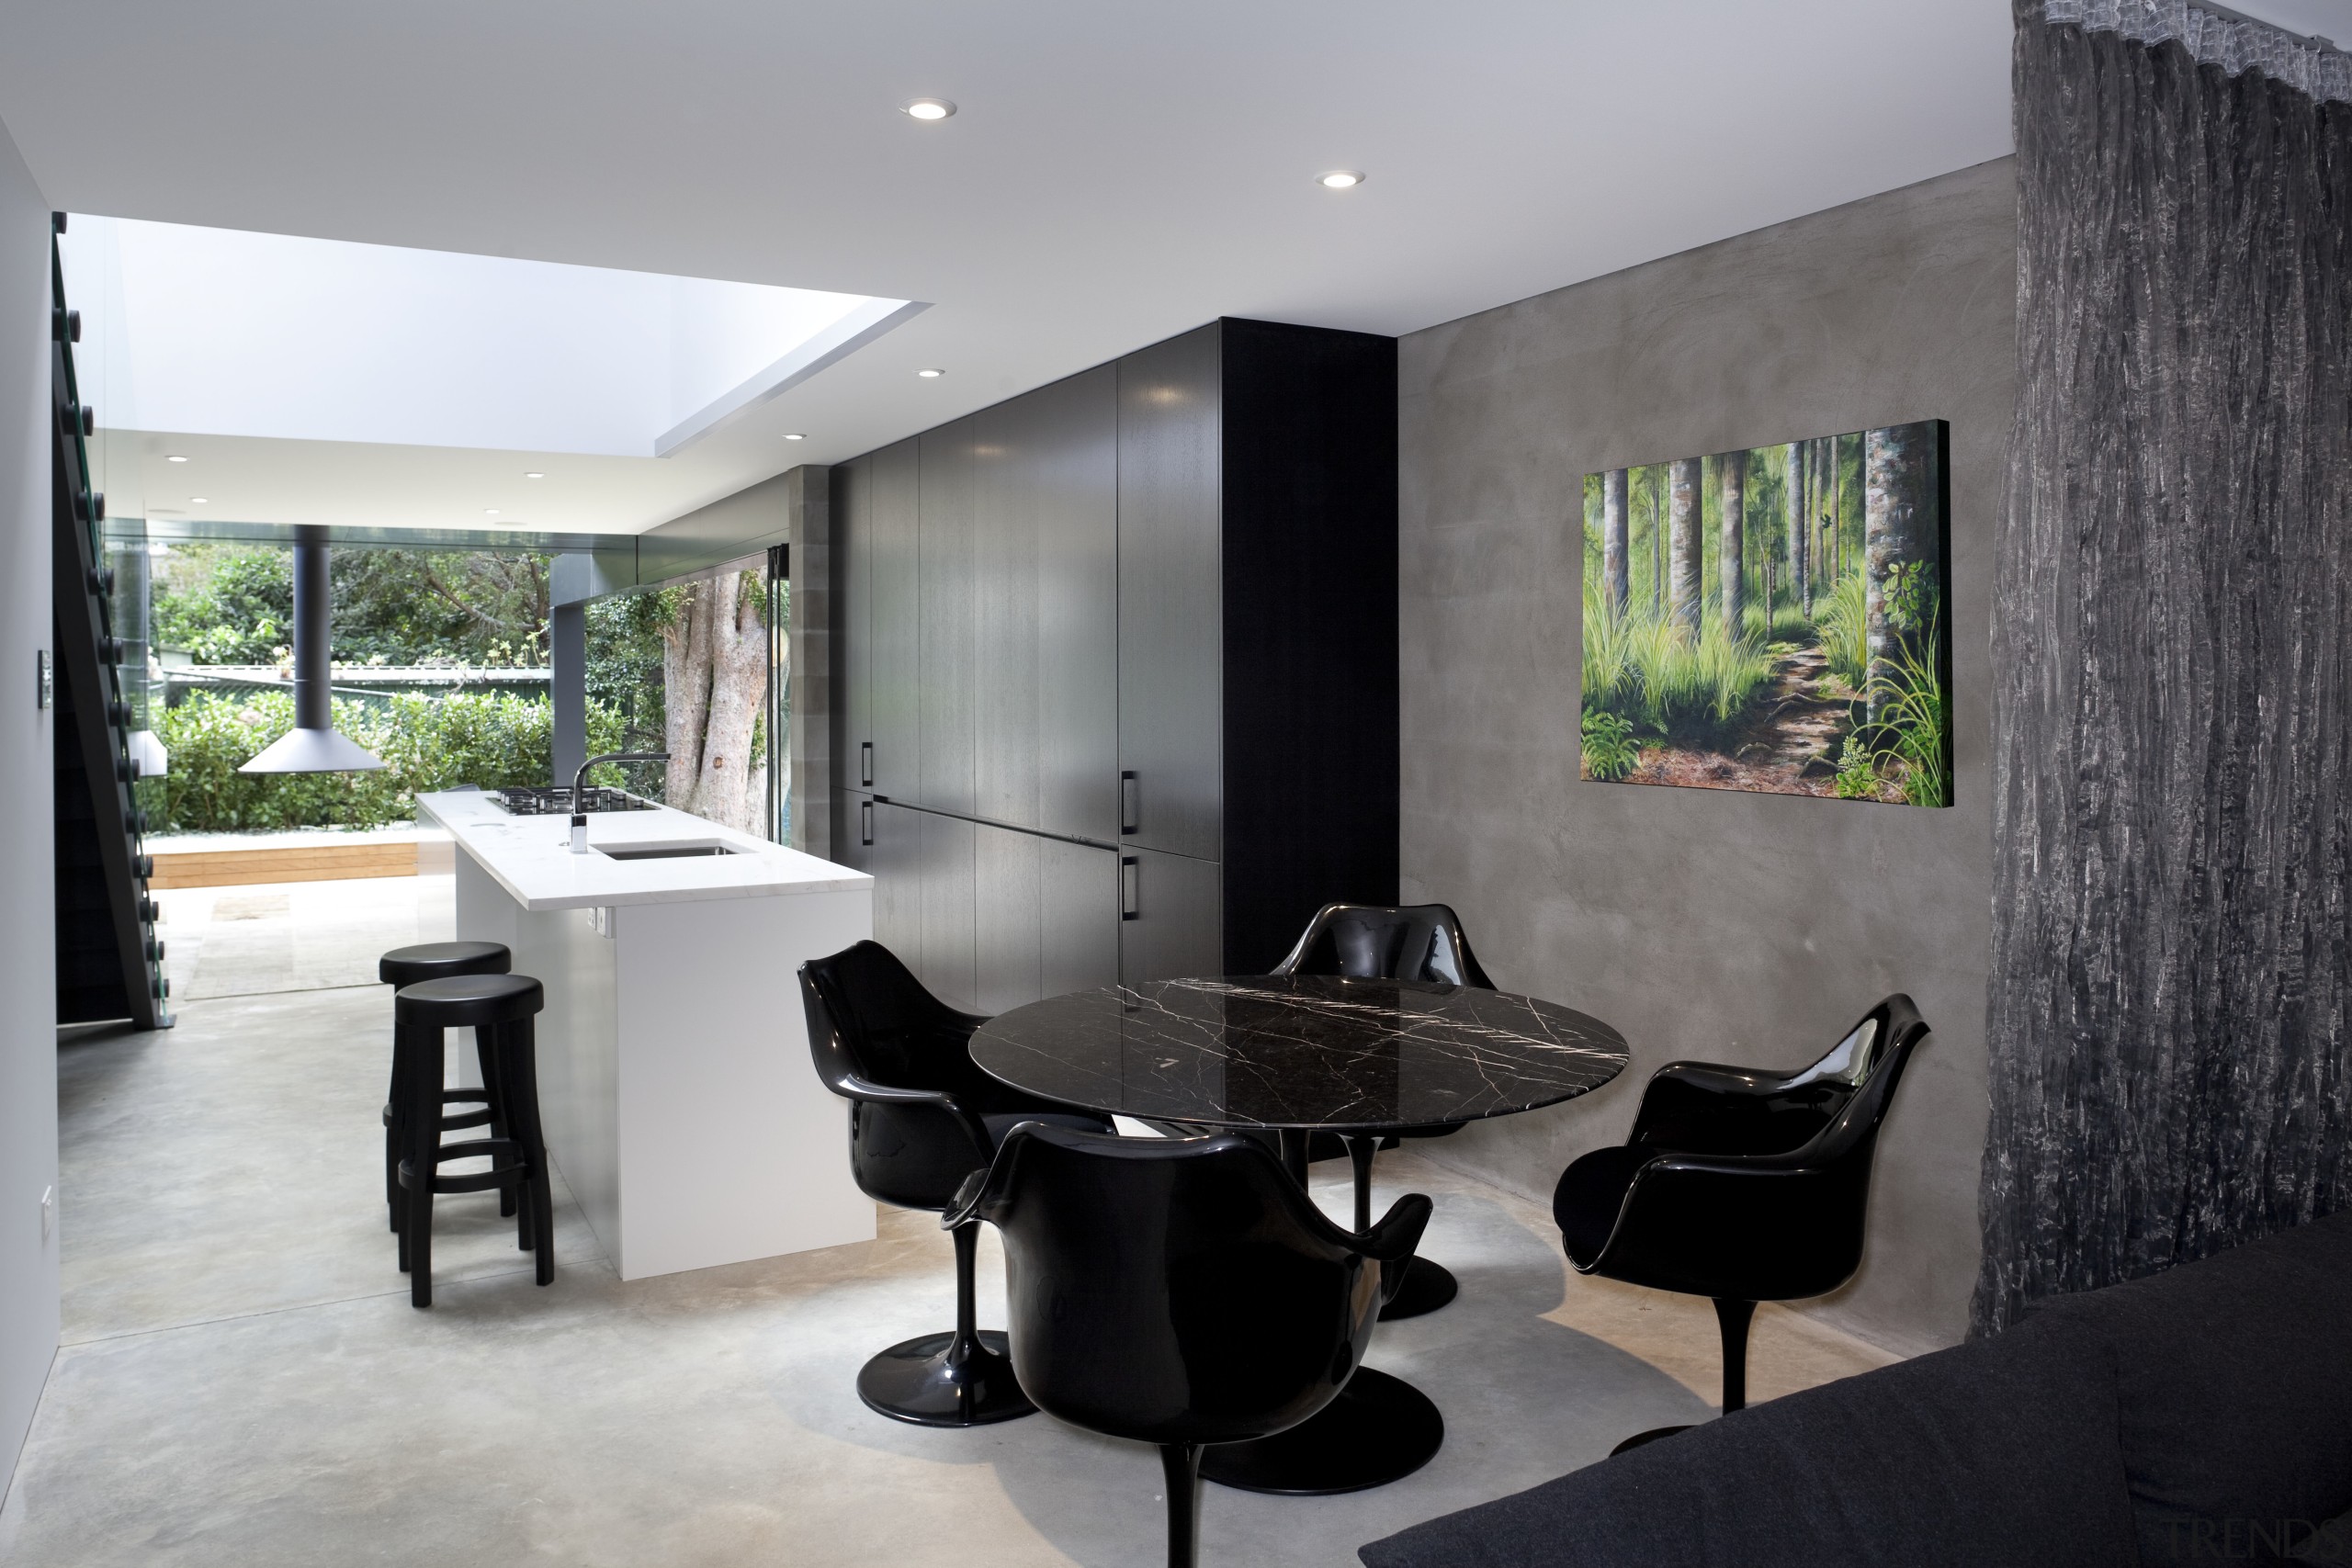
[[531, 857]]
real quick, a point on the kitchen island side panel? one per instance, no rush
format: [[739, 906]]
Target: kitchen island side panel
[[729, 1148], [576, 1051]]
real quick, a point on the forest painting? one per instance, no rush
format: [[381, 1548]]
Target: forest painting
[[1773, 620]]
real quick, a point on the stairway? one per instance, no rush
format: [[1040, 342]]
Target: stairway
[[109, 961]]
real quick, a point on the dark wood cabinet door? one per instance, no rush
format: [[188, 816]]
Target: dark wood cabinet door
[[1168, 916], [1046, 913], [1046, 562], [949, 965], [1075, 460], [948, 597], [854, 830], [1006, 742], [852, 607], [1170, 595], [1078, 910], [895, 862], [1005, 901], [893, 486]]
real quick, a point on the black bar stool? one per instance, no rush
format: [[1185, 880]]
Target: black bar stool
[[431, 961], [498, 1009]]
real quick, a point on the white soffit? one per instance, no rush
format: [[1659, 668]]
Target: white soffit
[[220, 331]]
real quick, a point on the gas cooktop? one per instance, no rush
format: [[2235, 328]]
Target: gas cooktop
[[556, 801]]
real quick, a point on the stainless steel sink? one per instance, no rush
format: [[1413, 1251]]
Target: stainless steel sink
[[665, 851]]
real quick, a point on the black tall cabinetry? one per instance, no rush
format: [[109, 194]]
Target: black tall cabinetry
[[1115, 666]]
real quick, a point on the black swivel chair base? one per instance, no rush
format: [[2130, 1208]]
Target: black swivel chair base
[[943, 1380], [1732, 1317], [960, 1379], [1377, 1430], [1428, 1286]]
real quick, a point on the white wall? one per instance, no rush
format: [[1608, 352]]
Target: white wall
[[28, 873], [218, 332]]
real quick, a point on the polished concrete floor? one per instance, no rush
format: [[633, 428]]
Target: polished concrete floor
[[242, 1381]]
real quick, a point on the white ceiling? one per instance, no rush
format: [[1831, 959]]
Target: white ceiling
[[1119, 171]]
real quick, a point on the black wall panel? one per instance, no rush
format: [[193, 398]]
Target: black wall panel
[[1309, 577]]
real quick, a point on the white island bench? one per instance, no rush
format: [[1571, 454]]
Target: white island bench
[[674, 1080]]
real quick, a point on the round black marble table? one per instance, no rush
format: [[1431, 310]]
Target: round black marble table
[[1296, 1054]]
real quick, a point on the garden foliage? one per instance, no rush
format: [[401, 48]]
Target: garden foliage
[[428, 743]]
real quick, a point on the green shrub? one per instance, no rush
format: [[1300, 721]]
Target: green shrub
[[1610, 749], [491, 739], [1856, 772]]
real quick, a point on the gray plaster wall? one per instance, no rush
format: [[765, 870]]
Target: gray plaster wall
[[1706, 923], [28, 861]]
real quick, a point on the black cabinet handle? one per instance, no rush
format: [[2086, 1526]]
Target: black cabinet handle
[[865, 761], [1130, 887], [1130, 804], [865, 821]]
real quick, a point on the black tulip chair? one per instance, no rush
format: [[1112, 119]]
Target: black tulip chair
[[1182, 1292], [1378, 942], [1740, 1185], [922, 1117]]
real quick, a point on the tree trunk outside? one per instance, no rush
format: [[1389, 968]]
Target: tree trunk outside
[[1615, 570], [1690, 592], [686, 693], [738, 667], [1894, 548], [714, 674], [1732, 476]]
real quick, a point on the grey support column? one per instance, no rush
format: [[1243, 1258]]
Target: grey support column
[[572, 582], [808, 505]]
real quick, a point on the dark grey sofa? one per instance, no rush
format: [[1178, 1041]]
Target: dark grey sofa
[[2202, 1415]]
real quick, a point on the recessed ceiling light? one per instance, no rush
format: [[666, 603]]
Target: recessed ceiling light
[[1339, 179], [928, 108], [931, 375], [795, 435], [534, 476], [174, 458], [490, 511], [200, 501]]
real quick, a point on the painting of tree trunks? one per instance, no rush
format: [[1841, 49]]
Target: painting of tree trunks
[[1773, 620]]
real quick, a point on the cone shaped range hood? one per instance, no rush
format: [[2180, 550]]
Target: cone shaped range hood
[[312, 746]]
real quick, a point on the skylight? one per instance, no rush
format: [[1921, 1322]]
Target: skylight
[[218, 332]]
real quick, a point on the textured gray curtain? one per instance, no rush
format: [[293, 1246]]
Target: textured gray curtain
[[2173, 806]]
